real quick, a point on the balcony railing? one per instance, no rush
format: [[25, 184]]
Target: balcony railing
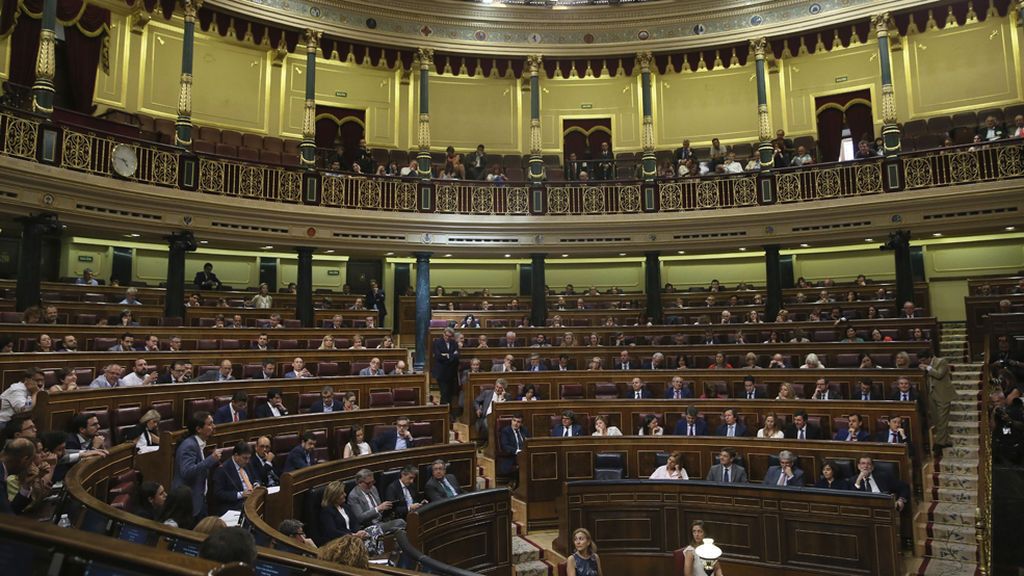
[[33, 138]]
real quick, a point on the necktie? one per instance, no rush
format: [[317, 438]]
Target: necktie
[[625, 366], [373, 501], [801, 434], [448, 487], [519, 440], [308, 463], [637, 395], [234, 416], [871, 486], [690, 431], [782, 478], [246, 484], [750, 395], [677, 395], [903, 397], [892, 438], [725, 475], [865, 397], [732, 430], [565, 432], [408, 497]]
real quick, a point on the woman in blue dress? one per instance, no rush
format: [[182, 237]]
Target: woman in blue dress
[[584, 561]]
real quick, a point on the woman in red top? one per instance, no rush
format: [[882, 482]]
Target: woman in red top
[[719, 362]]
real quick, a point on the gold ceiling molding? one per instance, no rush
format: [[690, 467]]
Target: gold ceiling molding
[[460, 26]]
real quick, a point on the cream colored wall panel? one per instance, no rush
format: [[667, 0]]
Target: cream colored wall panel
[[705, 105], [845, 266], [498, 277], [976, 258], [616, 98], [947, 299], [111, 88], [238, 271], [5, 57], [627, 275], [728, 271], [947, 76], [288, 271], [467, 111], [813, 75], [150, 266], [101, 260], [230, 81]]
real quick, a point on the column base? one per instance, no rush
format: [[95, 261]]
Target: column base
[[183, 132], [423, 164], [649, 164], [42, 96], [307, 153], [891, 139], [537, 172], [766, 154]]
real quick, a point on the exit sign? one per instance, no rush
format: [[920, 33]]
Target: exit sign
[[840, 79], [586, 106], [341, 94]]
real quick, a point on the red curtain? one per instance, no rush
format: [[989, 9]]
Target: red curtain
[[334, 123], [584, 136], [838, 111]]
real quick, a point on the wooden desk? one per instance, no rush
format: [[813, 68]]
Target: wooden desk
[[429, 421], [547, 463], [762, 530], [115, 405], [288, 502], [980, 306], [471, 531], [13, 365]]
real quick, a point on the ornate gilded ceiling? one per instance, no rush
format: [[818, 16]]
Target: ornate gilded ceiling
[[556, 28]]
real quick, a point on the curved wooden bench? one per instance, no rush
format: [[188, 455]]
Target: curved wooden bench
[[471, 531]]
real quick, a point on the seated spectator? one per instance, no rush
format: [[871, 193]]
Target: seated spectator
[[894, 433], [87, 278], [233, 411], [868, 480], [719, 363], [386, 343], [177, 509], [223, 373], [812, 362], [904, 392], [801, 158], [175, 373], [327, 343], [21, 396], [273, 407], [749, 360], [398, 439], [822, 391], [299, 369], [731, 426], [992, 130], [729, 165], [672, 469], [302, 455], [147, 433], [142, 375], [209, 525], [131, 297], [20, 426], [568, 426], [368, 507], [43, 344], [771, 428], [691, 424], [601, 427], [638, 390], [727, 471], [851, 336], [402, 492], [347, 550], [231, 481], [777, 361], [149, 500], [750, 392], [126, 343], [677, 390], [336, 517], [262, 299], [865, 361], [506, 365], [125, 318], [650, 426], [228, 545], [801, 429], [901, 360], [357, 444], [326, 402], [535, 365], [373, 369], [830, 478], [484, 403], [855, 432], [864, 150], [295, 530], [261, 466], [787, 392], [753, 162], [785, 473], [864, 391]]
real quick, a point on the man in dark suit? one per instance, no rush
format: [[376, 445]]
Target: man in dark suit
[[175, 374], [232, 483], [749, 391], [909, 310], [727, 471], [778, 361], [894, 433], [823, 392], [992, 130], [261, 466], [221, 374], [731, 426], [855, 431], [870, 481], [85, 442], [273, 407], [677, 390], [904, 391], [568, 427], [512, 441], [441, 484], [326, 402], [262, 343], [302, 455], [785, 473], [191, 468], [484, 403], [801, 429], [692, 424], [445, 368], [206, 279], [638, 390], [366, 504], [476, 164], [16, 457], [233, 411], [402, 492], [375, 300], [398, 439], [624, 362], [865, 391]]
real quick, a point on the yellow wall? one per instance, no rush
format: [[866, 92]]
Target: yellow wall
[[500, 277], [5, 56], [242, 87], [627, 274]]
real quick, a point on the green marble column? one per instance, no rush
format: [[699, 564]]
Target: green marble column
[[890, 128], [764, 130], [649, 162], [183, 126], [46, 61], [426, 57], [307, 149], [536, 161]]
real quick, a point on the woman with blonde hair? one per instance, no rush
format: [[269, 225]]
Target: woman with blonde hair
[[347, 550], [771, 426], [672, 469], [786, 392], [812, 362], [210, 524], [584, 560], [327, 342], [902, 360]]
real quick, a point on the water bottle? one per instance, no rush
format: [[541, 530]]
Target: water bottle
[[64, 521]]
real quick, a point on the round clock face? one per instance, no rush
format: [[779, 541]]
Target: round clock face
[[124, 160]]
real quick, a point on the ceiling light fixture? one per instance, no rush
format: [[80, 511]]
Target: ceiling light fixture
[[805, 245], [937, 234], [1010, 228]]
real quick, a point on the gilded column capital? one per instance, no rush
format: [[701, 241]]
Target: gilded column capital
[[534, 63], [881, 23], [426, 57], [758, 46], [191, 7], [644, 59], [312, 38]]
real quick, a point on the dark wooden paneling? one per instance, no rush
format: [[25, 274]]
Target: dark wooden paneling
[[471, 531]]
